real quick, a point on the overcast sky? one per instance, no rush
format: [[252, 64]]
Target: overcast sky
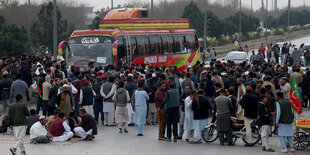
[[97, 4]]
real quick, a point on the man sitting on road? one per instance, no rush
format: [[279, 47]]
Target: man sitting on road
[[38, 133], [88, 127], [60, 129]]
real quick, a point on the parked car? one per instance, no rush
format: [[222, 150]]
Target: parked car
[[237, 56]]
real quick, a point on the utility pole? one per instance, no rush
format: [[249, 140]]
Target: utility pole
[[266, 26], [29, 16], [252, 6], [240, 33], [288, 20], [204, 29], [152, 9], [55, 30], [111, 4], [166, 14], [275, 5]]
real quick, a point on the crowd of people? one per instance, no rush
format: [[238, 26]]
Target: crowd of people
[[70, 101]]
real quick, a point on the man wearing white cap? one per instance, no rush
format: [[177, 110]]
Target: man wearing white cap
[[64, 100], [38, 133]]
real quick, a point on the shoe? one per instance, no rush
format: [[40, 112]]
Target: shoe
[[199, 141], [231, 144], [89, 138], [292, 150], [23, 153], [179, 138], [248, 145], [162, 139], [120, 130], [284, 150], [125, 130], [175, 140], [263, 148], [140, 134], [270, 150], [187, 140], [13, 151], [169, 140]]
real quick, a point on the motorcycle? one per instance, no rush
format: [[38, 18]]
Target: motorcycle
[[209, 133]]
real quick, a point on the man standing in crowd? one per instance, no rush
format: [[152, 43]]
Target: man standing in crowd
[[46, 89], [262, 50], [18, 119], [264, 119], [140, 98], [5, 86], [185, 94], [88, 126], [107, 91], [284, 120], [222, 108], [161, 116], [249, 103], [188, 123], [87, 98], [38, 133], [172, 105], [121, 98], [285, 88], [19, 87], [200, 107], [64, 100]]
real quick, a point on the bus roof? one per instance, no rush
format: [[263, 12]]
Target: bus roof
[[117, 32], [143, 24], [125, 13]]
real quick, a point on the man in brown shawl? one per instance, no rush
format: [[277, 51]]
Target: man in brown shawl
[[64, 100]]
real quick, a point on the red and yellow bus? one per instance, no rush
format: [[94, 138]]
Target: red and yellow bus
[[154, 42]]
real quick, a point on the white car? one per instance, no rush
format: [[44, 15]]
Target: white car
[[237, 56]]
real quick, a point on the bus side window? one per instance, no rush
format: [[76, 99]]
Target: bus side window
[[141, 46], [165, 44], [170, 44], [133, 46], [176, 44], [159, 45], [191, 43], [121, 47], [153, 46], [147, 50]]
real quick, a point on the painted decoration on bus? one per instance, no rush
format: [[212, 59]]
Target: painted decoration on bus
[[182, 61]]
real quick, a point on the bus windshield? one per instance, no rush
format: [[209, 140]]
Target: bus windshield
[[92, 48]]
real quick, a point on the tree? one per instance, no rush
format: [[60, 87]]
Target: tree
[[14, 41], [42, 30], [95, 24], [195, 17], [250, 23]]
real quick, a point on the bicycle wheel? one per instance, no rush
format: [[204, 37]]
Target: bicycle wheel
[[209, 134], [255, 136], [299, 144]]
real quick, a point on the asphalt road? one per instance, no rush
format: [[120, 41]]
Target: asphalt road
[[296, 41], [109, 141]]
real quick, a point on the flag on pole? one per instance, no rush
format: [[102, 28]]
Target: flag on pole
[[294, 97]]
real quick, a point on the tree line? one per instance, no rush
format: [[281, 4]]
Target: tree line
[[15, 40]]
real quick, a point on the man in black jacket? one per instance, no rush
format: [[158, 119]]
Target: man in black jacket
[[264, 119], [88, 127], [5, 87], [200, 107], [249, 103]]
